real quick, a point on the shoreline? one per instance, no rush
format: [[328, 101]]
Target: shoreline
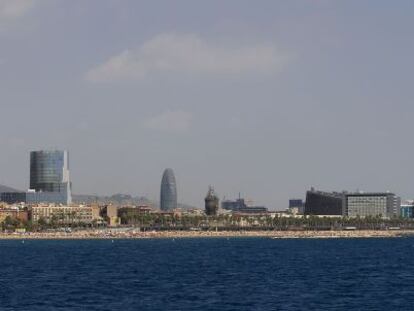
[[112, 235]]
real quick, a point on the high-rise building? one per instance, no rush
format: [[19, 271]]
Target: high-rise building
[[324, 203], [211, 202], [49, 177], [168, 197], [352, 204], [383, 204]]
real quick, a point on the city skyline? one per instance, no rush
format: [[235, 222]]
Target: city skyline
[[206, 155], [267, 99], [50, 182]]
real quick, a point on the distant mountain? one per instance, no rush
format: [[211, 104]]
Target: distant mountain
[[8, 189], [119, 199]]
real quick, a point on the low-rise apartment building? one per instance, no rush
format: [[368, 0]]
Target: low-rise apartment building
[[64, 214]]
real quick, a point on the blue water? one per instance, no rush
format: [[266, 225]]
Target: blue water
[[208, 274]]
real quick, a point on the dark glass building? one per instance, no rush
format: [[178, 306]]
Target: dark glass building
[[49, 177], [13, 197], [240, 205], [168, 197], [234, 206], [324, 203], [211, 202], [297, 203]]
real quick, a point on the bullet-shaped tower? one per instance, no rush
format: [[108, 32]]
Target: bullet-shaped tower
[[168, 196]]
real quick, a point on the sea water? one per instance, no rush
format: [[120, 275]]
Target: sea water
[[208, 274]]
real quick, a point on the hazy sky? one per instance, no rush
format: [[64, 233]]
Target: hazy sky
[[266, 98]]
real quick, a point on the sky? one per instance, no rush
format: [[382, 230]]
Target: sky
[[267, 98]]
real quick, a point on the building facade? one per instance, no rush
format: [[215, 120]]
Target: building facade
[[133, 215], [168, 195], [324, 203], [298, 204], [21, 215], [211, 203], [49, 177], [372, 204], [233, 205], [13, 197], [63, 214], [240, 205], [407, 209], [352, 204], [111, 212]]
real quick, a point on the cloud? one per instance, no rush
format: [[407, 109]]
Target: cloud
[[170, 121], [12, 9], [188, 54]]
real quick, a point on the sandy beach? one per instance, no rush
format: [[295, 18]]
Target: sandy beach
[[132, 234]]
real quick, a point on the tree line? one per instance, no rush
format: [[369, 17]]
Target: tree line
[[234, 222], [221, 222]]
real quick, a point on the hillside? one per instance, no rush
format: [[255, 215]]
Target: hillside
[[8, 189], [119, 199]]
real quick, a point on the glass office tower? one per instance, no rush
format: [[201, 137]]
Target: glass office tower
[[168, 198], [324, 203], [49, 177]]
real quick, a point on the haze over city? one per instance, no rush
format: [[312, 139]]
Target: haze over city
[[267, 100]]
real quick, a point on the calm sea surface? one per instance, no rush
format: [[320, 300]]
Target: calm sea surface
[[208, 274]]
